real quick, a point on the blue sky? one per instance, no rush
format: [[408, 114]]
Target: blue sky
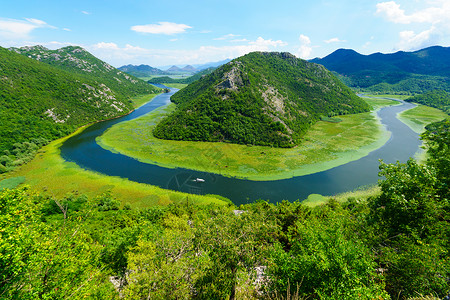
[[160, 33]]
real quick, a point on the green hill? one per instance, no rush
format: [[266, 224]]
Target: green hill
[[437, 98], [75, 59], [40, 102], [400, 72], [142, 70], [260, 99], [188, 80]]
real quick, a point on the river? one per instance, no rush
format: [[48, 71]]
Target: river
[[84, 151]]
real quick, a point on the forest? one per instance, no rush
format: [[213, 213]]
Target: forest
[[267, 99], [394, 245], [40, 102]]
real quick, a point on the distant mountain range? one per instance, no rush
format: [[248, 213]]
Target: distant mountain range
[[414, 72], [258, 99], [142, 70], [147, 71]]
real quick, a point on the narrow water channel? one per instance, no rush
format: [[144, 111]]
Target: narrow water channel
[[84, 151]]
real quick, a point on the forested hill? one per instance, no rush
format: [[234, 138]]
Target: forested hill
[[259, 99], [142, 70], [75, 59], [188, 80], [437, 98], [39, 103], [414, 72]]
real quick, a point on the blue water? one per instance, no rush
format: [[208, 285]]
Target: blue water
[[84, 151]]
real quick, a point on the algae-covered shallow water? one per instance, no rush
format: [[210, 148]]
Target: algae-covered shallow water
[[83, 150]]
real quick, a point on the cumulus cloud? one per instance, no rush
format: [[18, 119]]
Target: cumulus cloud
[[117, 55], [395, 14], [305, 49], [226, 37], [334, 40], [20, 29], [436, 15], [167, 28]]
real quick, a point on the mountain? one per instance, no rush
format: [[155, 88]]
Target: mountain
[[189, 69], [174, 69], [142, 70], [190, 79], [212, 64], [416, 72], [40, 102], [76, 60], [259, 99], [437, 98]]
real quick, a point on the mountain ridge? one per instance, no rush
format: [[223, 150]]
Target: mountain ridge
[[260, 98], [415, 72]]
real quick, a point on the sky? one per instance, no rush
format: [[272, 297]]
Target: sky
[[181, 32]]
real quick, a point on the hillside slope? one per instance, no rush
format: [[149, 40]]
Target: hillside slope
[[414, 72], [76, 60], [142, 70], [260, 99], [39, 103]]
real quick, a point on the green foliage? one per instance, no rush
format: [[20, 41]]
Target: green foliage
[[325, 261], [395, 245], [399, 73], [411, 220], [268, 99], [188, 80], [42, 101], [75, 59], [435, 98]]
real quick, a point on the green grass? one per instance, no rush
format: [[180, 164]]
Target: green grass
[[50, 174], [142, 99], [11, 183], [379, 102], [325, 146], [401, 97], [420, 116], [176, 85]]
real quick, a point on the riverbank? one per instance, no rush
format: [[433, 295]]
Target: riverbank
[[325, 146], [50, 174], [420, 116]]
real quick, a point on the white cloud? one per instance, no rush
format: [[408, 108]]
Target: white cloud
[[334, 40], [20, 29], [161, 28], [409, 40], [436, 14], [433, 14], [226, 37], [118, 56], [305, 49], [85, 12], [66, 29], [266, 44]]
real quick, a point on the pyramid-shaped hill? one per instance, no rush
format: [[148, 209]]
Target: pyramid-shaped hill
[[261, 98]]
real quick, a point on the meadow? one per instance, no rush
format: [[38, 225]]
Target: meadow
[[420, 116], [325, 146]]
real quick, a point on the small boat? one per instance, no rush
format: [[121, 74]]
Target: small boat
[[199, 180]]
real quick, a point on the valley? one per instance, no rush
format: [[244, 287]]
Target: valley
[[268, 168]]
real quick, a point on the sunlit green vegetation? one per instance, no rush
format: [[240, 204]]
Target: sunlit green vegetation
[[265, 99], [436, 98], [142, 99], [420, 116], [326, 145], [176, 85], [44, 101], [48, 172], [393, 245]]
